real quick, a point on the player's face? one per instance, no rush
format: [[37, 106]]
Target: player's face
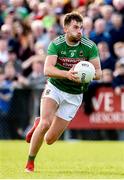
[[74, 31]]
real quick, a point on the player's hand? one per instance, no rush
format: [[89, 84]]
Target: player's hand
[[72, 75]]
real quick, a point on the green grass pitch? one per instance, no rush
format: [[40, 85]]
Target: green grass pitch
[[64, 160]]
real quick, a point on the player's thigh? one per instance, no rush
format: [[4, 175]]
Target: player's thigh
[[56, 129], [48, 108], [49, 102]]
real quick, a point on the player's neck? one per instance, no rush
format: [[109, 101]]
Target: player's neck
[[70, 43]]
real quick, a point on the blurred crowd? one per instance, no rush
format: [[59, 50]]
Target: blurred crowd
[[28, 26]]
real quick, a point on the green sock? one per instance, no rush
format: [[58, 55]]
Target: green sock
[[31, 158]]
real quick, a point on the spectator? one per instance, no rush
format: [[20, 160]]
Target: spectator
[[9, 15], [87, 25], [39, 55], [1, 13], [82, 10], [12, 57], [3, 50], [48, 18], [20, 10], [35, 81], [107, 76], [106, 12], [107, 60], [108, 1], [117, 32], [19, 117], [7, 33], [33, 5], [99, 34], [57, 25], [39, 33], [119, 6], [118, 81], [6, 93], [93, 11], [119, 49], [11, 75], [22, 32]]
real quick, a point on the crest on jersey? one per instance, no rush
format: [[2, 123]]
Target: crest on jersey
[[81, 53]]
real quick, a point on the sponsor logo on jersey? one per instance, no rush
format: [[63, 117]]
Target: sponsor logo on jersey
[[69, 62]]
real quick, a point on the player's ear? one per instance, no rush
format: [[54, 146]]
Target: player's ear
[[65, 29]]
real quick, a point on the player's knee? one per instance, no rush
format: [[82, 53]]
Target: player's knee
[[44, 126]]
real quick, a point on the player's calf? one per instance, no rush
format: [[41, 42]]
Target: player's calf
[[50, 139], [31, 131]]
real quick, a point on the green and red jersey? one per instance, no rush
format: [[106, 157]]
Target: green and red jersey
[[67, 56]]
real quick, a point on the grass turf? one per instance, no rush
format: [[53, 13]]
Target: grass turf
[[81, 159]]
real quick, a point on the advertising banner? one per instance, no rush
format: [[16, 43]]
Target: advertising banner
[[108, 112]]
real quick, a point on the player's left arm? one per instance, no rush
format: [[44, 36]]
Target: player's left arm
[[95, 60], [98, 71]]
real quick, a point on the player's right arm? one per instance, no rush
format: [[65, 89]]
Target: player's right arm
[[49, 67], [51, 71]]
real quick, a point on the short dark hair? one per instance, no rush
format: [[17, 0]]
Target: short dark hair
[[11, 49], [73, 16]]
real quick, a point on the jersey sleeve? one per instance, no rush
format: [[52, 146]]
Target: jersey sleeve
[[94, 53], [52, 50]]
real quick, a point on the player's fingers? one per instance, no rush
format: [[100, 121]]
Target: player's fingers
[[73, 67], [74, 72], [76, 78]]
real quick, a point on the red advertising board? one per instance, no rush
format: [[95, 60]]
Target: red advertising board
[[108, 112]]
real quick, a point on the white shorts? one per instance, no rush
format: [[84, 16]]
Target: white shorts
[[68, 103]]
